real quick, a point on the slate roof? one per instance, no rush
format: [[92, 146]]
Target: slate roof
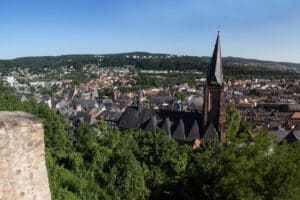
[[83, 117], [280, 135], [215, 70], [294, 135], [288, 135], [194, 132], [166, 126], [87, 105], [151, 124], [182, 126], [211, 133], [179, 133], [68, 93], [161, 99], [108, 115], [132, 118]]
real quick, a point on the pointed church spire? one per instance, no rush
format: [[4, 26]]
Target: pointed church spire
[[214, 110], [215, 71]]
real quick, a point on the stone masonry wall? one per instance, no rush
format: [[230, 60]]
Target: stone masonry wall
[[23, 173]]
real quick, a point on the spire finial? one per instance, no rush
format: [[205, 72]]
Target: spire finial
[[218, 29]]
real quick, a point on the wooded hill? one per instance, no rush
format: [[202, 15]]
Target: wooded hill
[[155, 61]]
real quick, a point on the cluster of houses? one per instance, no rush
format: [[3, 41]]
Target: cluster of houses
[[109, 77], [273, 104], [265, 103]]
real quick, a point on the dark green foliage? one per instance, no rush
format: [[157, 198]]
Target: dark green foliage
[[38, 63], [233, 67], [175, 63], [250, 170], [96, 162], [181, 95], [233, 120], [165, 80]]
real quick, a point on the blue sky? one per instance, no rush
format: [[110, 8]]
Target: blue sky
[[262, 29]]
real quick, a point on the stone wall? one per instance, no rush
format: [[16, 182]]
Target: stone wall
[[23, 173]]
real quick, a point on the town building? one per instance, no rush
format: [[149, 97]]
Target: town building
[[186, 127]]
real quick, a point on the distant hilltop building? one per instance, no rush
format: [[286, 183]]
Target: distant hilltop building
[[187, 127]]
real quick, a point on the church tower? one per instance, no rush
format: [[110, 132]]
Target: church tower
[[214, 110]]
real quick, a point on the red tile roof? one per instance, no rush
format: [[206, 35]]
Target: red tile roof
[[296, 115]]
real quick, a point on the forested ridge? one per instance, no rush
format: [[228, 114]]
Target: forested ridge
[[96, 162], [232, 66]]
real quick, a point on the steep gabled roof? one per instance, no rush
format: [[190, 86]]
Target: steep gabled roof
[[294, 135], [194, 132], [215, 70], [296, 115], [176, 124], [166, 126], [211, 133], [179, 133], [130, 118], [280, 135], [151, 125], [83, 117], [145, 115]]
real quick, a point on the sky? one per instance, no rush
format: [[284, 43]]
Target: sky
[[260, 29]]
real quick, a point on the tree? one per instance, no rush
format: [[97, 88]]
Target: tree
[[233, 120], [96, 162], [181, 95]]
